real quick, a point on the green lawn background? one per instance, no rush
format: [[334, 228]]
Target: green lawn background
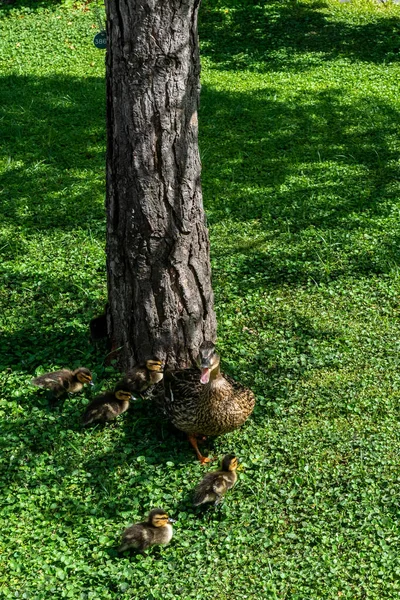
[[299, 138]]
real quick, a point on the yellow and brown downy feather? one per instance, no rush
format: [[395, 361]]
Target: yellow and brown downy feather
[[64, 381], [156, 530], [214, 485], [206, 403], [107, 406], [141, 377]]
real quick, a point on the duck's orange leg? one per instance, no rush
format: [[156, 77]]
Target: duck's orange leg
[[203, 459]]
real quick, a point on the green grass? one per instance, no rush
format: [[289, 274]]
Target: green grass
[[300, 148]]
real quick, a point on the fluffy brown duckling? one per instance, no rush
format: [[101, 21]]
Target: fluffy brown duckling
[[214, 485], [108, 406], [64, 381], [156, 530], [141, 377]]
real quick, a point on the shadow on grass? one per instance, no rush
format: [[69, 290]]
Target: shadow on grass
[[314, 165], [338, 151], [317, 168], [271, 36], [52, 134], [43, 448]]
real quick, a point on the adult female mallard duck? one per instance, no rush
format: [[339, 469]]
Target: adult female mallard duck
[[206, 402], [156, 529]]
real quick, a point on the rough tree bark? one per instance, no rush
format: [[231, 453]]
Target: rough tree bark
[[158, 266]]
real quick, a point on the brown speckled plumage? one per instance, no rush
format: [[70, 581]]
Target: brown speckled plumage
[[213, 408], [220, 406], [64, 381]]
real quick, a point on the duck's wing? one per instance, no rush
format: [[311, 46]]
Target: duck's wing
[[219, 484], [100, 409], [135, 536], [174, 388], [204, 491], [241, 392], [55, 381], [180, 384], [137, 379]]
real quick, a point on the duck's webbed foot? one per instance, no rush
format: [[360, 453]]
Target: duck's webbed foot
[[203, 459]]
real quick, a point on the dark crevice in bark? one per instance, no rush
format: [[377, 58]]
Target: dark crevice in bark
[[120, 21]]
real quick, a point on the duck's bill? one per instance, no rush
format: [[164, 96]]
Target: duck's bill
[[170, 520], [91, 382], [205, 376]]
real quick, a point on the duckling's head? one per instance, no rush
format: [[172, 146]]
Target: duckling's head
[[155, 369], [83, 375], [229, 463], [121, 392], [207, 361], [156, 366], [159, 518]]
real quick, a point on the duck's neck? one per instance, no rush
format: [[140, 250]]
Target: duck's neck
[[155, 377], [215, 375]]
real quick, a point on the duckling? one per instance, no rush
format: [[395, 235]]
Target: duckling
[[214, 485], [141, 377], [156, 530], [204, 403], [64, 381], [108, 406]]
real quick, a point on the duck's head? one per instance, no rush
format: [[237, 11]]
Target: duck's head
[[159, 518], [155, 369], [207, 361], [121, 392], [229, 463], [83, 375], [155, 366]]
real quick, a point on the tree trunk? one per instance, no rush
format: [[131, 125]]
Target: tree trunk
[[158, 265]]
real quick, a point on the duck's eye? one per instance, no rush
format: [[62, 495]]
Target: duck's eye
[[84, 377]]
